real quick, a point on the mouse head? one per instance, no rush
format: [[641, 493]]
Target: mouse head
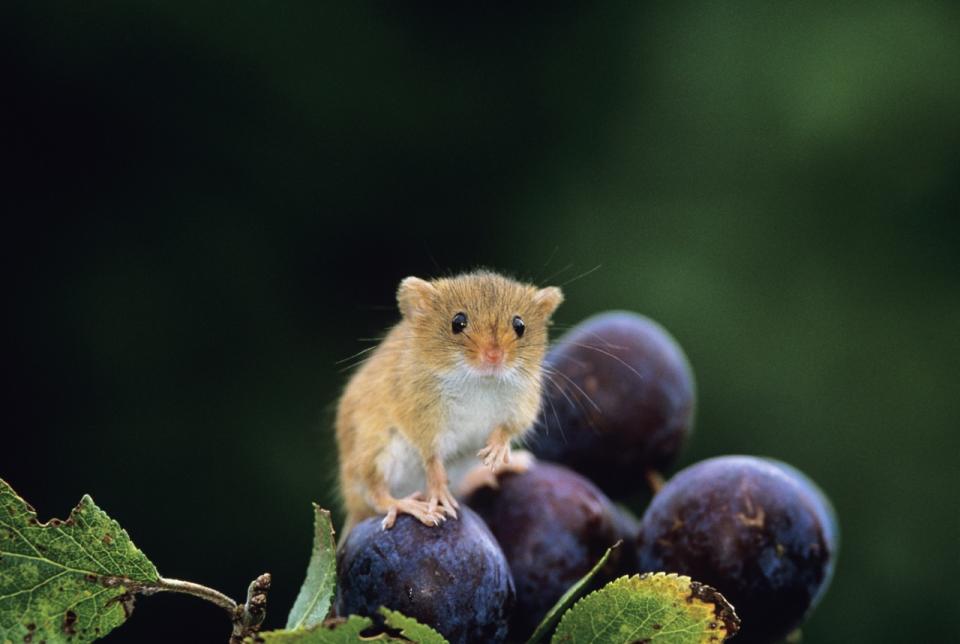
[[483, 322]]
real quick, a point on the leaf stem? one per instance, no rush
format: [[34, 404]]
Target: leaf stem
[[246, 617], [197, 590]]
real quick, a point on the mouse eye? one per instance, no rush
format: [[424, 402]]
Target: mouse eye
[[518, 326], [459, 322]]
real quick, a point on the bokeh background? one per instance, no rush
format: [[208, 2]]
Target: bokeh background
[[208, 206]]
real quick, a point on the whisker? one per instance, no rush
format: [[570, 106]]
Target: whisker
[[557, 273], [433, 260], [592, 334], [609, 355], [556, 417], [582, 392], [553, 254], [357, 354], [582, 275]]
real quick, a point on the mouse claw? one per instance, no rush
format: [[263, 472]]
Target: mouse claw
[[425, 512], [443, 501], [495, 456], [390, 519]]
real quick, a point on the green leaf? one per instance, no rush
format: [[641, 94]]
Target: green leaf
[[334, 631], [550, 619], [411, 629], [653, 607], [65, 580], [348, 631], [313, 602]]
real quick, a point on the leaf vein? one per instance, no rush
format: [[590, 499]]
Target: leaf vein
[[43, 559], [32, 589]]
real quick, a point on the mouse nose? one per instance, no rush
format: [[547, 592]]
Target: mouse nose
[[493, 355]]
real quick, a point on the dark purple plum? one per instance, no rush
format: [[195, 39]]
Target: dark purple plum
[[553, 526], [618, 401], [628, 530], [452, 577], [757, 530]]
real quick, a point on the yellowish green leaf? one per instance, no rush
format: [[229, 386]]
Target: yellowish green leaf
[[655, 607]]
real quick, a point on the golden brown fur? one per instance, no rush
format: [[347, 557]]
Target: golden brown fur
[[425, 387]]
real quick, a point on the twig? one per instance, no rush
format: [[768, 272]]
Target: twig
[[246, 617], [249, 617]]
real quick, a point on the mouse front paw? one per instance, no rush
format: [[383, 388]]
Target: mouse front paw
[[481, 476], [495, 455], [519, 462]]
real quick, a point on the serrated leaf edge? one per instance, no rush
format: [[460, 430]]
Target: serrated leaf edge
[[390, 617], [328, 624], [327, 533], [86, 501], [723, 610]]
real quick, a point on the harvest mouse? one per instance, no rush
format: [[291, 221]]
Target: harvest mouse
[[457, 378]]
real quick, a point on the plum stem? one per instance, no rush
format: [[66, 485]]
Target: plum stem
[[654, 480]]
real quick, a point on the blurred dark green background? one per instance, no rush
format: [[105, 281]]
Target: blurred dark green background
[[207, 207]]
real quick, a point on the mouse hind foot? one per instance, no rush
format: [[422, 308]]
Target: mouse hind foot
[[425, 512]]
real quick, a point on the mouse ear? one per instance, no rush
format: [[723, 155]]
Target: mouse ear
[[548, 299], [414, 296]]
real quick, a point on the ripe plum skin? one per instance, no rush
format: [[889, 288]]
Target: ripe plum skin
[[452, 577], [757, 530], [627, 529], [618, 401], [553, 526]]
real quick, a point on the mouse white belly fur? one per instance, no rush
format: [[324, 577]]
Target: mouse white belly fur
[[475, 406]]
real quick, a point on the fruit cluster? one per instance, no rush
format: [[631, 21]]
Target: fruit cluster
[[618, 407]]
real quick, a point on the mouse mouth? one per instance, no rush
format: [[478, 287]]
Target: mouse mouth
[[485, 370], [490, 370]]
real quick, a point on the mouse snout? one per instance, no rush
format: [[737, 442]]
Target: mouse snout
[[492, 354]]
